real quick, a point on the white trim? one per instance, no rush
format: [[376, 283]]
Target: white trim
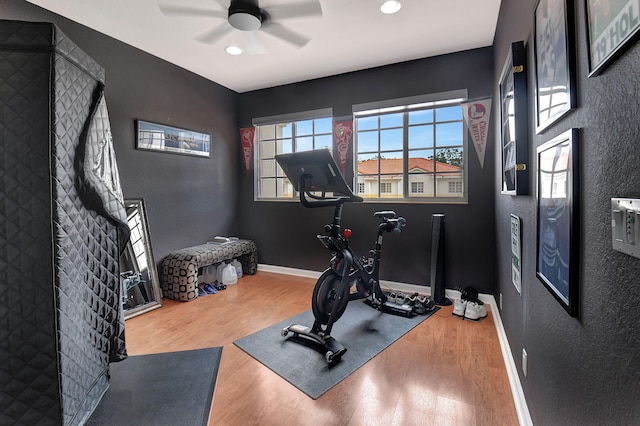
[[294, 116], [411, 100], [517, 392], [512, 372]]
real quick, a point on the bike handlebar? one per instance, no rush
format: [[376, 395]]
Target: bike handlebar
[[393, 225], [308, 199]]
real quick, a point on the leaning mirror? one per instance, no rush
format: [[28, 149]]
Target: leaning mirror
[[139, 278]]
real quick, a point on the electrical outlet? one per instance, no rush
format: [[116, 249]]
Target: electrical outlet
[[524, 362], [500, 301]]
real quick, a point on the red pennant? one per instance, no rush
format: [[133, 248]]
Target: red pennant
[[247, 136], [342, 135]]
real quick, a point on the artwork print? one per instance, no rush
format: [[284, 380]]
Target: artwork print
[[554, 91], [557, 218]]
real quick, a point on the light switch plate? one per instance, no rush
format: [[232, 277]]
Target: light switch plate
[[625, 225]]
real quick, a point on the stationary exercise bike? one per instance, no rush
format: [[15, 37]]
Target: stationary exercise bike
[[348, 277]]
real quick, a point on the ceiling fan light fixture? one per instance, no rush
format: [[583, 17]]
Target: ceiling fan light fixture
[[245, 15], [233, 50], [390, 7]]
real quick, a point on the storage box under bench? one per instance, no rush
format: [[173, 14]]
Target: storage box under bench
[[179, 270]]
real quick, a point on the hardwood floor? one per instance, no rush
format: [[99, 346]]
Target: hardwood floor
[[446, 371]]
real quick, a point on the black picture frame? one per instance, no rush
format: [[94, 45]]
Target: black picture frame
[[554, 61], [557, 218], [513, 118], [611, 27], [162, 138]]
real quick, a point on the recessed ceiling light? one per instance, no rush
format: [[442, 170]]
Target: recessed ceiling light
[[233, 50], [390, 7]]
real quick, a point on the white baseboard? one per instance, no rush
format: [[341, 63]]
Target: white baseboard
[[514, 381]]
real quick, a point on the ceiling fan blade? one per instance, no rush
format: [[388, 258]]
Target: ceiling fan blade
[[252, 44], [285, 34], [304, 9], [224, 4], [215, 33], [174, 9]]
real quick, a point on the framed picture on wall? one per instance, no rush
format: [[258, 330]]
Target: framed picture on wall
[[611, 26], [159, 137], [513, 118], [554, 63], [557, 224], [516, 252]]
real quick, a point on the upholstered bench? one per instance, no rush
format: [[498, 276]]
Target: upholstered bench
[[179, 270]]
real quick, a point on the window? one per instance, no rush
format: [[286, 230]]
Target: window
[[455, 187], [285, 134], [412, 148]]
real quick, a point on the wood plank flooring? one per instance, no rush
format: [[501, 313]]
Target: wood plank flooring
[[446, 371]]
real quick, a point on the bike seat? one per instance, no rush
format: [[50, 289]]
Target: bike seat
[[386, 214]]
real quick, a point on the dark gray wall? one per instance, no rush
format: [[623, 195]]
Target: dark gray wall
[[583, 370], [285, 231], [188, 199]]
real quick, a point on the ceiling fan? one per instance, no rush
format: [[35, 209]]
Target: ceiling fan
[[248, 17]]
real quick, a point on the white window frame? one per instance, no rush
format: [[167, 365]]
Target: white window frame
[[406, 105], [279, 177]]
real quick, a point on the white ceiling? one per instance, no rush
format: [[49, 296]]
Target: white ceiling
[[351, 35]]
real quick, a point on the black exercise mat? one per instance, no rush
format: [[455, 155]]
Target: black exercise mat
[[174, 388], [363, 330]]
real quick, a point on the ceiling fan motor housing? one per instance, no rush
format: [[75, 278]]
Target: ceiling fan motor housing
[[245, 15]]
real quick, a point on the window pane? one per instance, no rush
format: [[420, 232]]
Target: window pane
[[323, 141], [285, 146], [449, 113], [268, 132], [304, 127], [368, 186], [449, 134], [367, 123], [367, 164], [420, 136], [267, 149], [267, 187], [285, 130], [367, 141], [391, 120], [267, 168], [322, 125], [421, 185], [450, 158], [421, 161], [449, 185], [423, 116], [390, 139], [284, 187], [304, 144]]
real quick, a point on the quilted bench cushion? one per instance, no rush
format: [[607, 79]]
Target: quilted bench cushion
[[179, 270]]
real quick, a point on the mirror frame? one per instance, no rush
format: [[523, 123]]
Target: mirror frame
[[156, 302]]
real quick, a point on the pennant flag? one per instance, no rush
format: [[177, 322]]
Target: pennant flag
[[342, 136], [476, 116], [247, 136]]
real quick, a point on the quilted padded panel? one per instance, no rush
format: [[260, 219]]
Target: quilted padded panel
[[28, 356], [60, 304], [43, 35], [179, 270]]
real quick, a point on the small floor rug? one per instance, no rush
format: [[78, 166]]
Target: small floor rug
[[363, 330], [174, 388]]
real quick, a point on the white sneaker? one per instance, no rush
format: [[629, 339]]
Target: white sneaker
[[475, 311], [459, 307]]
